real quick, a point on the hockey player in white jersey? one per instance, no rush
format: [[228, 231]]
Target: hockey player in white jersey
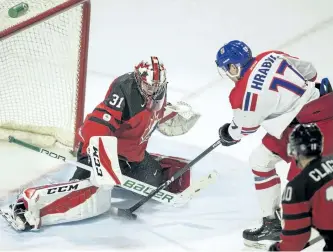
[[276, 91]]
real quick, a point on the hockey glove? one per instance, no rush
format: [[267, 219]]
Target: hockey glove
[[178, 119], [274, 247], [325, 87], [225, 138]]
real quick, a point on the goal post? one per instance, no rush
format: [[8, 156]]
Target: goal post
[[43, 66]]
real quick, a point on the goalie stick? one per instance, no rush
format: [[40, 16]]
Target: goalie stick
[[128, 212], [132, 184]]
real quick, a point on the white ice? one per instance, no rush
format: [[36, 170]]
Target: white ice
[[186, 35]]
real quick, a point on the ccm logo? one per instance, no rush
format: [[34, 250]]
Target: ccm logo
[[97, 162], [64, 188]]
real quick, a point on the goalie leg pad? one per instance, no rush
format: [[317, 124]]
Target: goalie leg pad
[[172, 165], [61, 203]]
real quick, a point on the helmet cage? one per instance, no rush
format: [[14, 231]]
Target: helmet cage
[[235, 53], [151, 78], [152, 90], [225, 71]]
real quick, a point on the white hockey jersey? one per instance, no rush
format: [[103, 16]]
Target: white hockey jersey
[[273, 90]]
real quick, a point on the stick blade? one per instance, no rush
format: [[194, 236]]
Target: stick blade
[[126, 213]]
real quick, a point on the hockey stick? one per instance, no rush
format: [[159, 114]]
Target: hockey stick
[[128, 213], [313, 241], [132, 184]]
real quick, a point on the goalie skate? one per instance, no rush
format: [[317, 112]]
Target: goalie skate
[[15, 222]]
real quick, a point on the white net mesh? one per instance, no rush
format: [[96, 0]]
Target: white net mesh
[[39, 74]]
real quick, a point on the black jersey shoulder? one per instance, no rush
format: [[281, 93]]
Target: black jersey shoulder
[[126, 87], [314, 176]]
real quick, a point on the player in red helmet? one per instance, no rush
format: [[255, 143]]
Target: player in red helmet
[[113, 141]]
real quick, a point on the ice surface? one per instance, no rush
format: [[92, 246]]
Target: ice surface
[[212, 221], [223, 209]]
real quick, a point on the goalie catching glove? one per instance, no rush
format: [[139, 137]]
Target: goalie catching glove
[[178, 119], [76, 200]]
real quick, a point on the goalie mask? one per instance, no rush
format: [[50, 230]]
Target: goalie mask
[[151, 78]]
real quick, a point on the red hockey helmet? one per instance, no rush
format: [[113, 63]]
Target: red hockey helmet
[[151, 78]]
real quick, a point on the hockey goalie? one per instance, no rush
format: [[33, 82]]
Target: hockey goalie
[[113, 142]]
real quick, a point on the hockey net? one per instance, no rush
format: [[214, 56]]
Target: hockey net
[[43, 61]]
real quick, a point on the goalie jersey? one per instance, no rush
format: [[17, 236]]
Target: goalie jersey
[[274, 88], [308, 202], [123, 114]]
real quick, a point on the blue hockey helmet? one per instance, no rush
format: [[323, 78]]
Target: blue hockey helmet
[[234, 52]]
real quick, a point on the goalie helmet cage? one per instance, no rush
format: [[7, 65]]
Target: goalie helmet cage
[[43, 65]]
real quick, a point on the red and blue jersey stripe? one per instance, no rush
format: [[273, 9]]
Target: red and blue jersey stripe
[[250, 102], [249, 130]]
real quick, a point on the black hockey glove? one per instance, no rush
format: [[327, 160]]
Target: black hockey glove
[[225, 137], [274, 247]]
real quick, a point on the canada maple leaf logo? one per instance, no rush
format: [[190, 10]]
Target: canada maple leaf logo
[[154, 120]]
